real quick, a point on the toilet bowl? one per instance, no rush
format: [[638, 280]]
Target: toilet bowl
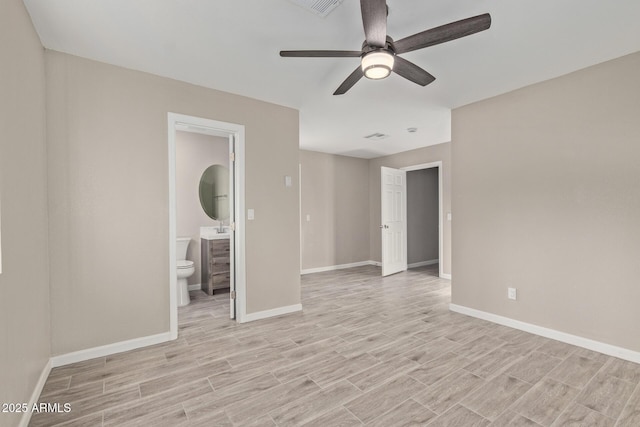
[[185, 269]]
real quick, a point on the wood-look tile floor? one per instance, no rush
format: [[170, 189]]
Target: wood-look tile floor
[[366, 351]]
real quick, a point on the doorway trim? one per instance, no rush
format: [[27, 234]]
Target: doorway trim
[[438, 165], [174, 120]]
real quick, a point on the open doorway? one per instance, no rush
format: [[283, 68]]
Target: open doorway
[[422, 218], [231, 227], [426, 217], [204, 192], [394, 227]]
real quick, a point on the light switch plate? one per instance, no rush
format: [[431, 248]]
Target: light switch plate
[[512, 293], [251, 214], [287, 181]]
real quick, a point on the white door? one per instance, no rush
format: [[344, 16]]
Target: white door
[[394, 220], [232, 223]]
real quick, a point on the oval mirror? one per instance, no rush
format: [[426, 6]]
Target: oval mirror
[[214, 192]]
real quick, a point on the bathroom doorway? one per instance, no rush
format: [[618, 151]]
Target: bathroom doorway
[[202, 131]]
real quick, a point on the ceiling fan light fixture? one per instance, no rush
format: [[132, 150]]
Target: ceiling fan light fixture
[[377, 65]]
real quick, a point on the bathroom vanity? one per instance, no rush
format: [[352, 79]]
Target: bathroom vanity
[[215, 268]]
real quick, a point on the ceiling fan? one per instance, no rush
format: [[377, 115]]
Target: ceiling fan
[[379, 53]]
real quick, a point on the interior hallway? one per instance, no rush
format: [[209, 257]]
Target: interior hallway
[[366, 350]]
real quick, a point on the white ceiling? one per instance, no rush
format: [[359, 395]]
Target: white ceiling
[[233, 45]]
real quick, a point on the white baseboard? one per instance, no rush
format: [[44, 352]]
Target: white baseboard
[[423, 263], [611, 350], [337, 267], [195, 287], [445, 276], [106, 350], [35, 396], [250, 317]]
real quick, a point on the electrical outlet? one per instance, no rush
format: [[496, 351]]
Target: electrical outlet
[[512, 294]]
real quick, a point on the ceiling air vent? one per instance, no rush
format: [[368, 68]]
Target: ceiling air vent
[[319, 7], [376, 136]]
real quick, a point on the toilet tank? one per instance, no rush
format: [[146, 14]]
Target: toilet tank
[[182, 243]]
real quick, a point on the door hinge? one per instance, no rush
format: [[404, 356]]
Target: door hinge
[[232, 156], [233, 294], [232, 226]]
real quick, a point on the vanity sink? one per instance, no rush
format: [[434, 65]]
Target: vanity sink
[[210, 233]]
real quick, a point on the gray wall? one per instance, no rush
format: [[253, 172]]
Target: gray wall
[[335, 193], [422, 215], [432, 153], [108, 199], [546, 199], [195, 153], [24, 283]]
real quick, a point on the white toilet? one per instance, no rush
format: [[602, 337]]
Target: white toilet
[[185, 269]]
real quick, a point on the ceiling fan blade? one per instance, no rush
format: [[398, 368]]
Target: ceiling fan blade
[[374, 19], [411, 71], [350, 81], [444, 33], [321, 53]]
